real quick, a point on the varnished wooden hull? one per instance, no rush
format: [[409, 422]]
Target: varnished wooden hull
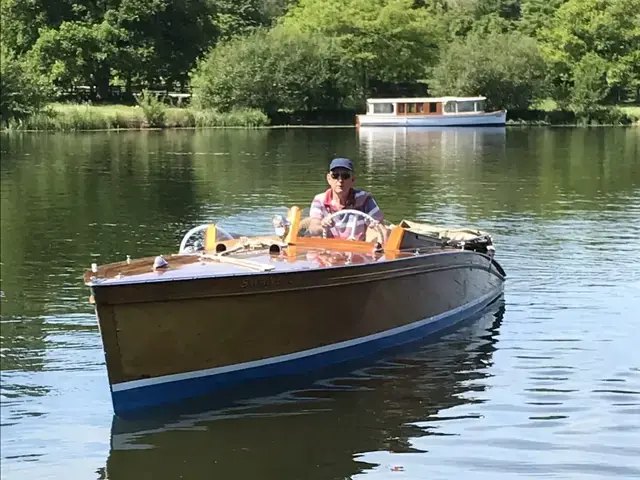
[[166, 341]]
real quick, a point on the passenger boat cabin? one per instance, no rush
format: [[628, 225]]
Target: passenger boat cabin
[[425, 106]]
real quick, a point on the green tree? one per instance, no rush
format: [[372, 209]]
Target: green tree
[[273, 9], [164, 38], [506, 68], [384, 40], [582, 30], [589, 83], [460, 18], [22, 20], [91, 42], [239, 17], [536, 14], [76, 53], [22, 91], [274, 70]]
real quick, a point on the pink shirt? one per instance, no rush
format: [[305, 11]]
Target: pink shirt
[[344, 225]]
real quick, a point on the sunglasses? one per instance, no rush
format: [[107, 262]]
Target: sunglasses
[[343, 175]]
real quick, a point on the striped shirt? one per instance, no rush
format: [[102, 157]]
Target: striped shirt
[[346, 225]]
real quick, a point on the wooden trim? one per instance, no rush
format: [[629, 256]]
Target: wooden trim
[[294, 217], [425, 109], [261, 267], [210, 238], [253, 283], [395, 238], [394, 242], [335, 244]]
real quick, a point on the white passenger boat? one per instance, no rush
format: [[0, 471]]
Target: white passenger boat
[[429, 111]]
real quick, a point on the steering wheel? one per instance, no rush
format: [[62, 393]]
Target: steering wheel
[[371, 221], [194, 230]]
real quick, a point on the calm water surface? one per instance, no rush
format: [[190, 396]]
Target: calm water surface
[[544, 384]]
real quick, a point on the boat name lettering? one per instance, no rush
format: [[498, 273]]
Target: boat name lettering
[[264, 282]]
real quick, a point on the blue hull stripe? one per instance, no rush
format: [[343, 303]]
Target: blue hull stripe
[[136, 394]]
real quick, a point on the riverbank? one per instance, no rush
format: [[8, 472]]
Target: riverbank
[[85, 117], [75, 117], [547, 113]]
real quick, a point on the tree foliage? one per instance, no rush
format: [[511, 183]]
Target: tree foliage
[[386, 40], [22, 91], [506, 67], [83, 42], [592, 44], [274, 70]]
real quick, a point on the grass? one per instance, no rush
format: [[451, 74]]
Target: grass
[[632, 110], [76, 117]]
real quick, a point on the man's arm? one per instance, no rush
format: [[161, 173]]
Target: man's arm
[[315, 227], [371, 207], [316, 214]]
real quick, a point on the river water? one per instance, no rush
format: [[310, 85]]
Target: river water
[[544, 384]]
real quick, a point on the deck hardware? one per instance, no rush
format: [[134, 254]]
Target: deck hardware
[[160, 262]]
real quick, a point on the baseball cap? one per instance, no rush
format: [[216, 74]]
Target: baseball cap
[[341, 163]]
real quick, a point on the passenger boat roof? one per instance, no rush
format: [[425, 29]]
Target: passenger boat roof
[[424, 99]]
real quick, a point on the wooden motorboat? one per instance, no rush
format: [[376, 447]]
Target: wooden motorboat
[[228, 309]]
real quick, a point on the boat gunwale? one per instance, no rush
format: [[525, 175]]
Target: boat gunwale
[[250, 285], [124, 282]]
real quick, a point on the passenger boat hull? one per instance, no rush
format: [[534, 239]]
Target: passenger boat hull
[[497, 118], [166, 341]]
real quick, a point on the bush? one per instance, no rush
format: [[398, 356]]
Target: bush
[[601, 115], [154, 110], [596, 116]]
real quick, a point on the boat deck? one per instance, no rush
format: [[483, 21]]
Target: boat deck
[[192, 266]]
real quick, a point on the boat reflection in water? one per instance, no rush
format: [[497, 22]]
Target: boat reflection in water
[[319, 430], [445, 143]]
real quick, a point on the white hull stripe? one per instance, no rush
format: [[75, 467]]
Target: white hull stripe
[[145, 382]]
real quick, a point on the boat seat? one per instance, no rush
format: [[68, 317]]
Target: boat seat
[[420, 235], [456, 234]]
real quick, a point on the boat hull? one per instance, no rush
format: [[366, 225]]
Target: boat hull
[[169, 341], [453, 120]]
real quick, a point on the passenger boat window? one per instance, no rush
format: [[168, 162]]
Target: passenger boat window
[[401, 108], [420, 107], [383, 108], [465, 107], [411, 108], [450, 107], [433, 107], [480, 106]]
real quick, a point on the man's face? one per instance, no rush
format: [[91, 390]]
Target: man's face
[[340, 179]]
